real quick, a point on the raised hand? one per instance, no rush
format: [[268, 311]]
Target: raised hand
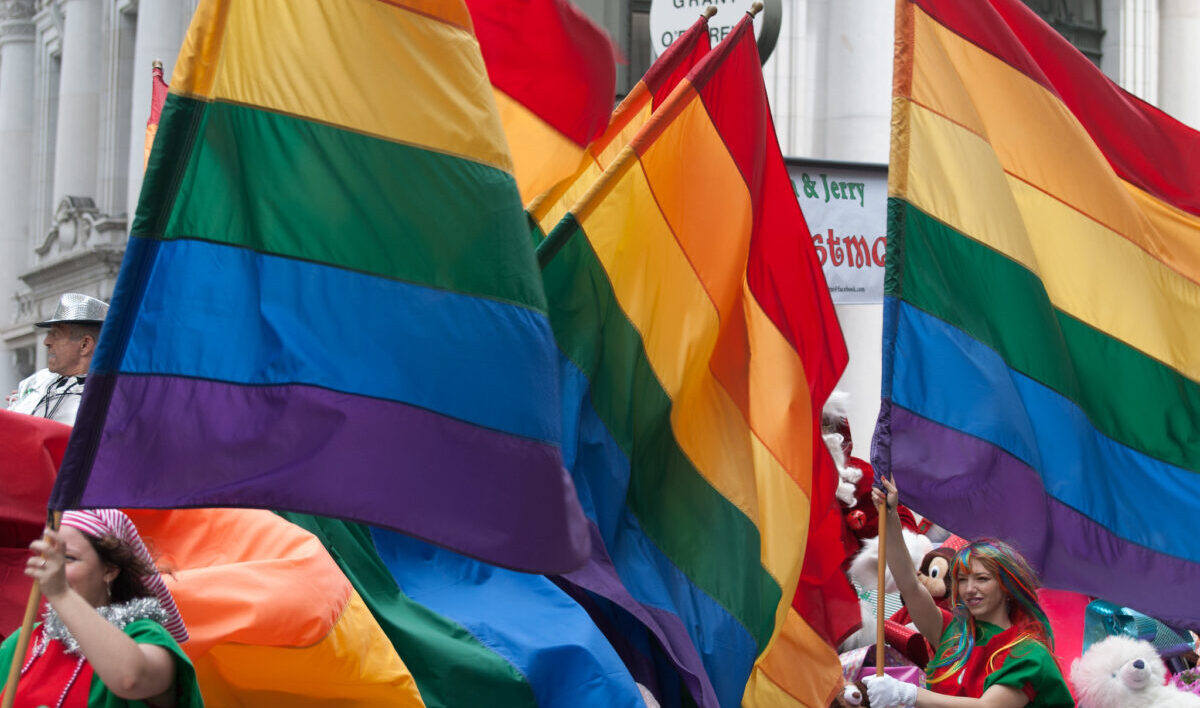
[[47, 565]]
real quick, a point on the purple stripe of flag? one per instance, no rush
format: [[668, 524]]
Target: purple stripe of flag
[[975, 488], [316, 451], [599, 576]]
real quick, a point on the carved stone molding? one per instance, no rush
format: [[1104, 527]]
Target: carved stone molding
[[15, 31], [92, 271], [26, 308], [49, 21], [16, 20], [79, 225], [16, 10], [74, 220]]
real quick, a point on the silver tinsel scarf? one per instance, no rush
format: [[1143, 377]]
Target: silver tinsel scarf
[[119, 616]]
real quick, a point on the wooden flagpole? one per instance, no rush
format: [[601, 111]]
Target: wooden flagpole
[[881, 588]]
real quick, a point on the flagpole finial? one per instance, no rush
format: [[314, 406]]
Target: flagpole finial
[[755, 9], [709, 12], [156, 64]]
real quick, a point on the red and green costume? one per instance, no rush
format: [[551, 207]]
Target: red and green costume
[[1027, 665], [53, 670]]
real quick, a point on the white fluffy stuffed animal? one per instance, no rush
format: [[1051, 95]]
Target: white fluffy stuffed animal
[[1119, 672], [864, 570]]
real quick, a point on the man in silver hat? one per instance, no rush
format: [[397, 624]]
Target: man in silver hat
[[54, 392]]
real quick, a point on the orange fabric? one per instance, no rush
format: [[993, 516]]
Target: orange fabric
[[797, 669], [353, 666], [245, 576], [272, 618]]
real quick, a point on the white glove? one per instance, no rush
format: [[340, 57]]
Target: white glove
[[886, 692]]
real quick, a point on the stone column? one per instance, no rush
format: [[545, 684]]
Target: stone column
[[1179, 60], [854, 124], [161, 25], [790, 74], [16, 137], [856, 86], [78, 138]]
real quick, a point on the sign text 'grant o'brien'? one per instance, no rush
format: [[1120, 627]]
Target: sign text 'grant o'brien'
[[669, 19], [845, 206]]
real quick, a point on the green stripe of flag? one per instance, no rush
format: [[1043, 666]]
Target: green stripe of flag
[[284, 185], [451, 667], [1130, 397]]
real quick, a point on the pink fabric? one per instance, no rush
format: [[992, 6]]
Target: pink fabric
[[1181, 681], [98, 523], [1066, 611], [955, 543], [896, 665]]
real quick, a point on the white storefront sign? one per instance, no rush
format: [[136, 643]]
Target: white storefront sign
[[669, 19], [845, 206]]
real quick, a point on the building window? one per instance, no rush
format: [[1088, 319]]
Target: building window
[[48, 143], [24, 361], [117, 110], [1077, 20], [639, 41]]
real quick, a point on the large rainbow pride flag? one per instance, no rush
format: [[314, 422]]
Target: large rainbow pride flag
[[700, 344], [329, 302], [1041, 348]]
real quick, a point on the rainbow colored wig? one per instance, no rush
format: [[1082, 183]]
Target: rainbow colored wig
[[1020, 585]]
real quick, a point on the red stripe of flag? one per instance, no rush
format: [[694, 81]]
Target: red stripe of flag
[[549, 57], [1140, 141]]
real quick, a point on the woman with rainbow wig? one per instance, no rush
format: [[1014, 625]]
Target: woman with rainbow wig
[[996, 648]]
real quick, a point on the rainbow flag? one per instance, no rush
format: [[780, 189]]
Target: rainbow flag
[[554, 74], [1041, 353], [473, 633], [271, 618], [329, 302], [700, 343], [634, 111]]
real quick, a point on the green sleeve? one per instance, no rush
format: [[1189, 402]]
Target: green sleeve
[[7, 648], [146, 631], [1031, 668], [6, 654]]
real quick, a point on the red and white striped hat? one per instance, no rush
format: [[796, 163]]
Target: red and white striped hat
[[101, 522]]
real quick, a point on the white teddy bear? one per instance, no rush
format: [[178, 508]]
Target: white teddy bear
[[864, 570], [1119, 672]]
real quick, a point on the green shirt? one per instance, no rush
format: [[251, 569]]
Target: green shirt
[[1028, 666]]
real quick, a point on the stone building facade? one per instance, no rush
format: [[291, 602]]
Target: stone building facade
[[74, 98], [75, 93]]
